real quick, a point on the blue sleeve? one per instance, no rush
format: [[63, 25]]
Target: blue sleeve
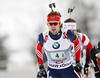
[[71, 35], [41, 39], [44, 58]]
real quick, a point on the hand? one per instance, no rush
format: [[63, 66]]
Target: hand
[[71, 35], [97, 74], [78, 67], [42, 73], [86, 68], [99, 45]]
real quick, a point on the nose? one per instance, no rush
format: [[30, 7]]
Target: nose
[[53, 25]]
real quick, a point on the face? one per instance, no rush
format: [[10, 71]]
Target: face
[[54, 27]]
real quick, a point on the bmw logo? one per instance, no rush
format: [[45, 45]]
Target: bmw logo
[[56, 45]]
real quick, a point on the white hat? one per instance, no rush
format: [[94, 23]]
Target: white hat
[[69, 26]]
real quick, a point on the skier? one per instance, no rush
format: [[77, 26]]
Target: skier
[[95, 57], [70, 24], [57, 48]]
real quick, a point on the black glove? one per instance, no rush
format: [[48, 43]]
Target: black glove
[[97, 74], [99, 46], [86, 68], [42, 73], [78, 67]]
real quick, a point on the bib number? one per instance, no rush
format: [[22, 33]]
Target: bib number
[[57, 55]]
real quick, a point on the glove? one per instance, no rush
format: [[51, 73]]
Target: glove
[[86, 68], [78, 67], [42, 73], [97, 74], [71, 35], [99, 46]]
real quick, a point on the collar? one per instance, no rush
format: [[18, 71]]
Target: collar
[[55, 37]]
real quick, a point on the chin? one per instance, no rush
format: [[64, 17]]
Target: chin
[[54, 32]]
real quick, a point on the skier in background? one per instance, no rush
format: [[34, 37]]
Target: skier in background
[[95, 57], [70, 24]]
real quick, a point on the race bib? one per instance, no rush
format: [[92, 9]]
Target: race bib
[[57, 55]]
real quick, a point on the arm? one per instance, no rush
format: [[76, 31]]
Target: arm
[[39, 53], [77, 48], [88, 45], [86, 42], [73, 38]]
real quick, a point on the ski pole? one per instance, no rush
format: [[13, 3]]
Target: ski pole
[[88, 73]]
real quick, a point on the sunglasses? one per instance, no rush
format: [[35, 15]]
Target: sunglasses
[[53, 23]]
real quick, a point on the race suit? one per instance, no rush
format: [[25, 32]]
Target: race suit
[[57, 49]]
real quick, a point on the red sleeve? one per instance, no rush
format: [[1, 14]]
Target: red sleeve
[[88, 48], [39, 54], [88, 45], [77, 47], [83, 38]]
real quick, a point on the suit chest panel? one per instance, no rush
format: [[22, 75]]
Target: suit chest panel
[[54, 45]]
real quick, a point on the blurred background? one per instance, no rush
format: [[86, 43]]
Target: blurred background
[[22, 20]]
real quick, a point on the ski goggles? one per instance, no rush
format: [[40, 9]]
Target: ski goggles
[[53, 23]]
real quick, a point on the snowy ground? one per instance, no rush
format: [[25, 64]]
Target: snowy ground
[[18, 72]]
